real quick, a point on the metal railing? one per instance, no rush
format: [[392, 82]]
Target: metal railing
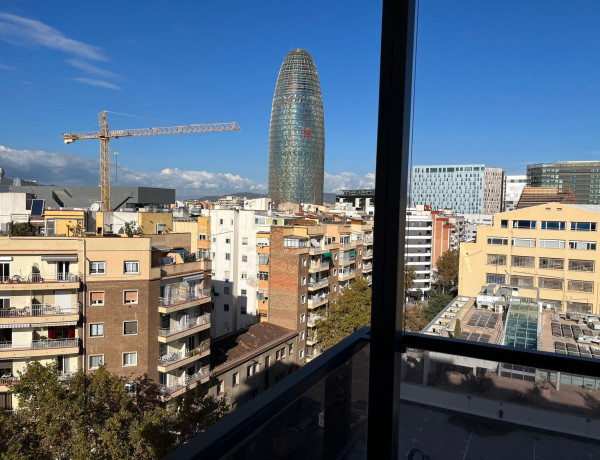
[[174, 356], [41, 278], [178, 300], [367, 267], [318, 284], [344, 274], [192, 323], [8, 380], [317, 299], [347, 245], [367, 253], [183, 382], [40, 344], [38, 310]]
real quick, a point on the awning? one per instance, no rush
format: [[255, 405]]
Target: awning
[[13, 326], [193, 278], [182, 252], [327, 255], [352, 252], [60, 257], [161, 249], [58, 323]]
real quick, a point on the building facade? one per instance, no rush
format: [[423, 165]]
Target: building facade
[[582, 176], [360, 200], [550, 248], [470, 189], [297, 133], [139, 306], [513, 187]]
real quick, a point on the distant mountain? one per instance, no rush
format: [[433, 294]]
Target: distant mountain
[[327, 197]]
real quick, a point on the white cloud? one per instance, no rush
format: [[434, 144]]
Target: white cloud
[[5, 67], [90, 68], [69, 169], [93, 82], [22, 31], [348, 180]]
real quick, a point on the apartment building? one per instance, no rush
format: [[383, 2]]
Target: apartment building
[[136, 305], [41, 307], [550, 247], [235, 266], [473, 189], [251, 360]]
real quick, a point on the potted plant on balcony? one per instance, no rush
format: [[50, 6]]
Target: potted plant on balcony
[[543, 387]]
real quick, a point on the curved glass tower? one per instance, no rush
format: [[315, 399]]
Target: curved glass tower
[[297, 135]]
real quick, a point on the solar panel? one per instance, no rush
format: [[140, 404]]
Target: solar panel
[[37, 208], [475, 337], [485, 338]]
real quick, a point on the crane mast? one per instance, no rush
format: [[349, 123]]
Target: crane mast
[[105, 135]]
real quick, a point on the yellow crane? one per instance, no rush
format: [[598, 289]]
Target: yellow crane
[[104, 135]]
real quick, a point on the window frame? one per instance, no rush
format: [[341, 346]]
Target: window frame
[[126, 272], [90, 335], [97, 273], [137, 296], [134, 353], [96, 304], [136, 327], [90, 367]]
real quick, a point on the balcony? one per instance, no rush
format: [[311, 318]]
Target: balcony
[[174, 360], [367, 254], [312, 319], [175, 303], [6, 383], [39, 281], [367, 267], [43, 313], [311, 338], [344, 275], [318, 300], [35, 348], [187, 382], [186, 268], [318, 267], [192, 326], [347, 260], [368, 240], [314, 285]]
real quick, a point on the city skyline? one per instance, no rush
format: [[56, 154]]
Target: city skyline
[[510, 99]]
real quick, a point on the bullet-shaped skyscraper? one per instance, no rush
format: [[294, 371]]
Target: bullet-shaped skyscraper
[[297, 134]]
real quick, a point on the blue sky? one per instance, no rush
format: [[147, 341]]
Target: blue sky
[[501, 83]]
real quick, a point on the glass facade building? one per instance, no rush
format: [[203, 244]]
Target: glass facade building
[[297, 133]]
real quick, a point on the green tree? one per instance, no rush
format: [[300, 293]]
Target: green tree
[[19, 229], [457, 330], [414, 318], [436, 304], [350, 312], [131, 229], [92, 416], [447, 270]]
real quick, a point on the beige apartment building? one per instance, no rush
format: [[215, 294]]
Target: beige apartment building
[[302, 270], [136, 305], [551, 247]]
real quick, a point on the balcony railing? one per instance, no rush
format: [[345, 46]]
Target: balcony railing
[[41, 278], [38, 310], [346, 274], [367, 253], [173, 357], [178, 300], [317, 284], [317, 299], [347, 245], [8, 380], [192, 323], [40, 344], [184, 382], [367, 267]]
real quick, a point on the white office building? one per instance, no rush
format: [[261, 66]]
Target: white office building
[[513, 187], [465, 189], [417, 248]]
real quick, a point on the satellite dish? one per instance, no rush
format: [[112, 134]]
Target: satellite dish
[[95, 207], [1, 173]]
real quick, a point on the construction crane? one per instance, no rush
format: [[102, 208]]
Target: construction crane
[[105, 135]]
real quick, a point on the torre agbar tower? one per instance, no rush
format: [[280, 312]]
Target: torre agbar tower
[[297, 134]]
